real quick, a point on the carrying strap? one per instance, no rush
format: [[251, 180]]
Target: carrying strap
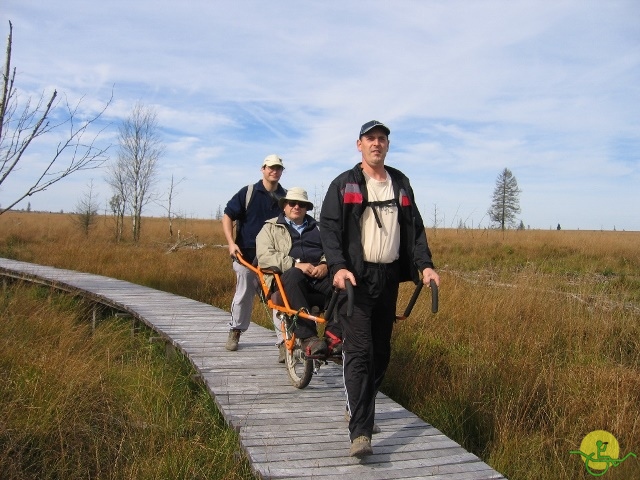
[[381, 204], [248, 197]]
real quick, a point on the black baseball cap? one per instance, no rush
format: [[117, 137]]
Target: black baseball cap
[[373, 124]]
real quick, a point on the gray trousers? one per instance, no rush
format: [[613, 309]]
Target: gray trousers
[[242, 304]]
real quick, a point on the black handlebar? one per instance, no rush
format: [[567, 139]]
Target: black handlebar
[[349, 288], [412, 302], [414, 298], [434, 296], [349, 285], [334, 299], [407, 311], [332, 303]]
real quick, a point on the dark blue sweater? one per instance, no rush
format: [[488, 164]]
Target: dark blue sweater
[[262, 207]]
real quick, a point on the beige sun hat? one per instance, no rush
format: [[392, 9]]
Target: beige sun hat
[[296, 194]]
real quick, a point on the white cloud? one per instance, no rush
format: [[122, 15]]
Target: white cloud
[[547, 89]]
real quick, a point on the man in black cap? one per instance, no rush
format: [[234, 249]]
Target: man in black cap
[[373, 235]]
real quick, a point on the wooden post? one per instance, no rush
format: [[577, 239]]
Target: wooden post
[[135, 323], [94, 315]]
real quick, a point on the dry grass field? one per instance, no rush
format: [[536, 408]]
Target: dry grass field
[[537, 342]]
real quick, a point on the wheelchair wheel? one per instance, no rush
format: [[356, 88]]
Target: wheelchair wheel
[[299, 368]]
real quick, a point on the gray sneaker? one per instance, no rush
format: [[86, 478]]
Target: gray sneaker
[[282, 354], [361, 447], [232, 341]]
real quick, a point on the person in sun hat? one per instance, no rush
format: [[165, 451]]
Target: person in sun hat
[[372, 235], [247, 210], [291, 242]]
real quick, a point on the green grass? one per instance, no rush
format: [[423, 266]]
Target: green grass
[[77, 403]]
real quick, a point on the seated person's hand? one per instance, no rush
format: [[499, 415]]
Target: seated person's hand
[[312, 271], [306, 268], [320, 271]]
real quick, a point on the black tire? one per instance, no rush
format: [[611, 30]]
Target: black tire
[[299, 368]]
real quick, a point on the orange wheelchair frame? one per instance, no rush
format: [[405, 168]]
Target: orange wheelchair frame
[[301, 367]]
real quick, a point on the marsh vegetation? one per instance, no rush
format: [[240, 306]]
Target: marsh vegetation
[[537, 341]]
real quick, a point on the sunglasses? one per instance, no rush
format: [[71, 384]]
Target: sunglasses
[[293, 203]]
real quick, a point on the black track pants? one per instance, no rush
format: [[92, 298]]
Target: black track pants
[[367, 347]]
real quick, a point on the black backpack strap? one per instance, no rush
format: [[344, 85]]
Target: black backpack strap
[[380, 204]]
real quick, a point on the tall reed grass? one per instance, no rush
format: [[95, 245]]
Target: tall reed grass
[[79, 404], [536, 343]]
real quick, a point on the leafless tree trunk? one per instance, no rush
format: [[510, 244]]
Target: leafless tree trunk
[[134, 173], [116, 179], [436, 217], [21, 125], [117, 206], [170, 197]]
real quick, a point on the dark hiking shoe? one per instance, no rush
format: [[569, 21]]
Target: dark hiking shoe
[[232, 341], [314, 347], [361, 447]]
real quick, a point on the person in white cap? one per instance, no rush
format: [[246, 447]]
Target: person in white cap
[[291, 243], [249, 208]]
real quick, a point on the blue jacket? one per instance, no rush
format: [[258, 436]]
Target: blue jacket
[[263, 206]]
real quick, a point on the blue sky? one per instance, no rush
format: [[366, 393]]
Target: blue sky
[[548, 89]]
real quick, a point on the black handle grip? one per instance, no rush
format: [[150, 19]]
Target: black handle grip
[[414, 298], [349, 286], [412, 302], [332, 303], [434, 296], [334, 299]]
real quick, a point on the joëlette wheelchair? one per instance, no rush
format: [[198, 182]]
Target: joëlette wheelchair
[[301, 367]]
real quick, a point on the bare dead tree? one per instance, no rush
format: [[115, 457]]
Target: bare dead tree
[[22, 123], [191, 242], [134, 174], [318, 198], [171, 194], [436, 217], [115, 178], [117, 206]]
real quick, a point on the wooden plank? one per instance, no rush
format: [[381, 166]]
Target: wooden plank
[[286, 432]]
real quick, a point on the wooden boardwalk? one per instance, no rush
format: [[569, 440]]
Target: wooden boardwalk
[[286, 432]]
